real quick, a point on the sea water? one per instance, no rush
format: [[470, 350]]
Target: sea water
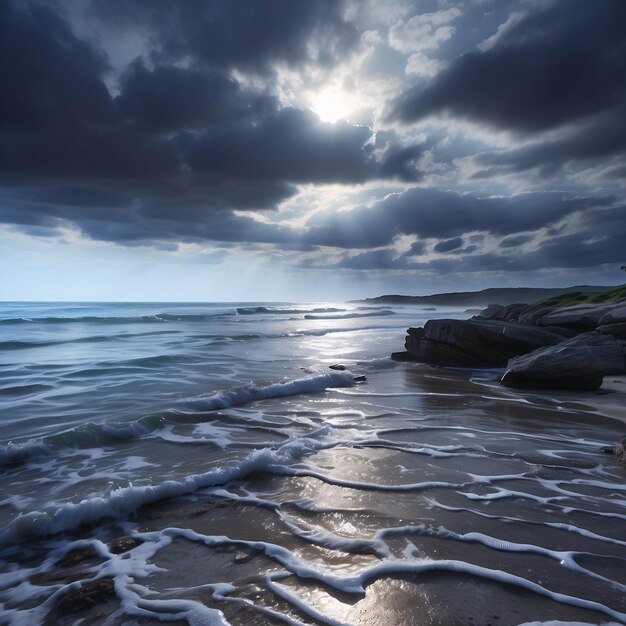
[[251, 484]]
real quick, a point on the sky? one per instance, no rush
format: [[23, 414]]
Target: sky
[[211, 150]]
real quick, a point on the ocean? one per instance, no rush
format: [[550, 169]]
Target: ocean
[[202, 464]]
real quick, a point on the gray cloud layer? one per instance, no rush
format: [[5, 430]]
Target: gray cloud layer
[[192, 130], [173, 145], [562, 66]]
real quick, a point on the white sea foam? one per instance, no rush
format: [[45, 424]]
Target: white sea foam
[[356, 583], [251, 393], [558, 525], [124, 501], [96, 435]]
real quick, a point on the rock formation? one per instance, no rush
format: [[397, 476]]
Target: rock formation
[[474, 343], [542, 346], [555, 367]]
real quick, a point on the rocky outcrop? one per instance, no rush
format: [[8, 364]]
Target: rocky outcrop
[[578, 317], [474, 343], [616, 330], [609, 351], [509, 313], [542, 345], [616, 315], [557, 367], [579, 363], [573, 318]]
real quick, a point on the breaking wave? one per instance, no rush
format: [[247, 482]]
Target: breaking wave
[[92, 435]]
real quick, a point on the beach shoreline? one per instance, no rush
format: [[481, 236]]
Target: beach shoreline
[[248, 478]]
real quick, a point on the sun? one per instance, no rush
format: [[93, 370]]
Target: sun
[[330, 106]]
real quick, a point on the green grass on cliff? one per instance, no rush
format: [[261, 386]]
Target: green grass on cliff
[[579, 297]]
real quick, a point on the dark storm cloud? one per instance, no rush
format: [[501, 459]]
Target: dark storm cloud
[[560, 68], [299, 147], [440, 214], [34, 41], [401, 162], [171, 98], [57, 118], [178, 143], [385, 260], [599, 240], [374, 260], [562, 62], [448, 244], [245, 34], [155, 220], [417, 248], [600, 138], [515, 241], [169, 146]]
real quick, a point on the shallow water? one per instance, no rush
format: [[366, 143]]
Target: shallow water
[[260, 487]]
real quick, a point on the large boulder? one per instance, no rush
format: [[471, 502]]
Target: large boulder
[[475, 343], [617, 330], [533, 313], [617, 315], [576, 363], [493, 311], [443, 354], [508, 313], [579, 317], [608, 350], [555, 367]]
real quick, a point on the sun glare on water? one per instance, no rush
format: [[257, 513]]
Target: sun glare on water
[[330, 106]]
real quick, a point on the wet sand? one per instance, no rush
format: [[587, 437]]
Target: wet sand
[[611, 401]]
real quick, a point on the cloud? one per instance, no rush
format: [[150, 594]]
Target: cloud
[[598, 241], [417, 248], [600, 138], [193, 126], [295, 145], [170, 98], [373, 260], [246, 34], [33, 39], [63, 122], [432, 213], [513, 20], [515, 241], [178, 143], [421, 65], [424, 31], [533, 77], [449, 244]]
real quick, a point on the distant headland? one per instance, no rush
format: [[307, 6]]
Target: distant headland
[[496, 295]]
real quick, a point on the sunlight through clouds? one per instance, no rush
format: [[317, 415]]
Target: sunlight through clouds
[[331, 105]]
